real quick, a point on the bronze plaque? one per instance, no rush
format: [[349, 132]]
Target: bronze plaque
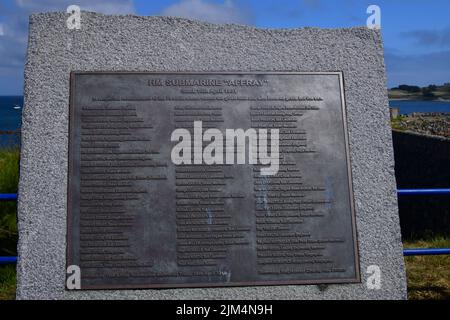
[[157, 197]]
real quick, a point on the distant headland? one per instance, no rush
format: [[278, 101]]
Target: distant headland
[[431, 92]]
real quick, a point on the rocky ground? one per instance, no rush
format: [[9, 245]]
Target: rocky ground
[[436, 124]]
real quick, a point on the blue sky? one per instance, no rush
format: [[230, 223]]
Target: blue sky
[[416, 33]]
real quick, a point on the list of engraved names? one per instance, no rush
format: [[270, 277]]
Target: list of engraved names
[[137, 220]]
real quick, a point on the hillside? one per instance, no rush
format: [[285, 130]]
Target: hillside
[[431, 92]]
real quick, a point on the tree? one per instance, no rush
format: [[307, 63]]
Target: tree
[[408, 88], [428, 93]]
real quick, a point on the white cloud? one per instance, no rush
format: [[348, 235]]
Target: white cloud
[[226, 12], [2, 31]]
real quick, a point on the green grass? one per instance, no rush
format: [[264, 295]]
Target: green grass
[[9, 176], [8, 282], [9, 170], [428, 276], [396, 123]]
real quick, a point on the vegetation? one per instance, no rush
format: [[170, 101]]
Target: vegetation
[[428, 276], [8, 282], [429, 124], [396, 123], [431, 92], [9, 176], [407, 88]]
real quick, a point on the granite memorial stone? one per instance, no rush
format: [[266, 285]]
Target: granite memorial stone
[[99, 188]]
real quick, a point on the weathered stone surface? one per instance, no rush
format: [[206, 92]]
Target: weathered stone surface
[[131, 43]]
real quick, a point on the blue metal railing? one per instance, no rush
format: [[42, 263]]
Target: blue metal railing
[[426, 251], [8, 196], [8, 260], [406, 252], [415, 192]]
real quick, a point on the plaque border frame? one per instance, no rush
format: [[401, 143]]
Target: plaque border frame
[[69, 218]]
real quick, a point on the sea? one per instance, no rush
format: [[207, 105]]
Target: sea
[[410, 106], [11, 114], [10, 120]]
